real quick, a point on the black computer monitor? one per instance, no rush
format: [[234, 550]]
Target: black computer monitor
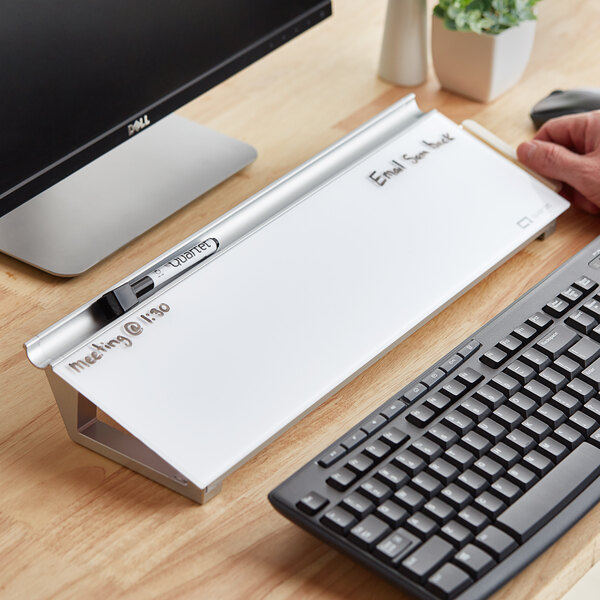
[[84, 166]]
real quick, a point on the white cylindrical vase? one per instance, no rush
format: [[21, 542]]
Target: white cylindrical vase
[[403, 58]]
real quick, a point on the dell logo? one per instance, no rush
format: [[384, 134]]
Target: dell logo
[[138, 125]]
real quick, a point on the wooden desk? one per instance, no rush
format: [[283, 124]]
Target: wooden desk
[[74, 525]]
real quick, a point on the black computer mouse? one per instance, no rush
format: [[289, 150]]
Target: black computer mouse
[[567, 102]]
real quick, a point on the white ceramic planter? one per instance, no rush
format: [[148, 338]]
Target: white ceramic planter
[[480, 66]]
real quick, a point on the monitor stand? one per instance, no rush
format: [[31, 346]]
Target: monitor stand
[[71, 226]]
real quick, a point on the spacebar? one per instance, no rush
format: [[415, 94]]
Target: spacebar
[[550, 495]]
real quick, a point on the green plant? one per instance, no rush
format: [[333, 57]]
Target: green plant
[[484, 16]]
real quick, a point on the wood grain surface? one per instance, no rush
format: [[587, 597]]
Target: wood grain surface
[[75, 525]]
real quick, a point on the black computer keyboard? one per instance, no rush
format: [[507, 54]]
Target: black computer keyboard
[[465, 476]]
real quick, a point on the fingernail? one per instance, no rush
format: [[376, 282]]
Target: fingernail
[[528, 148]]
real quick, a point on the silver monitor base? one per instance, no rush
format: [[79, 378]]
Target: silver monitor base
[[71, 226]]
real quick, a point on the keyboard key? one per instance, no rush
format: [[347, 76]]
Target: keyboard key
[[393, 437], [472, 518], [565, 402], [414, 393], [457, 534], [539, 464], [358, 505], [553, 379], [392, 476], [571, 295], [331, 456], [494, 357], [439, 511], [376, 450], [540, 504], [525, 332], [409, 498], [592, 308], [443, 436], [491, 505], [456, 496], [354, 439], [452, 363], [520, 441], [375, 490], [505, 490], [474, 409], [505, 455], [585, 351], [469, 348], [592, 408], [448, 582], [360, 464], [312, 503], [426, 484], [520, 371], [553, 449], [437, 402], [540, 321], [394, 547], [580, 389], [472, 482], [567, 366], [433, 378], [522, 477], [488, 468], [535, 359], [426, 559], [373, 424], [592, 374], [538, 391], [459, 457], [409, 462], [459, 421], [342, 479], [420, 416], [507, 417], [550, 415], [392, 409], [490, 396], [474, 561], [585, 284], [443, 470], [495, 542], [368, 532], [421, 525], [557, 341], [557, 307], [581, 321], [492, 430], [469, 377], [510, 344], [535, 428], [454, 389], [568, 436], [339, 520], [522, 404], [393, 514], [583, 423], [506, 384], [426, 448], [475, 443]]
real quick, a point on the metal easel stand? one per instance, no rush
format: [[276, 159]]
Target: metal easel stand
[[84, 428]]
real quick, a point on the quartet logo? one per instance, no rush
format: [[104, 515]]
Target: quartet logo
[[132, 329], [400, 164]]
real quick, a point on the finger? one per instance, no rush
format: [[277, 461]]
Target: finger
[[579, 200], [568, 131], [553, 161]]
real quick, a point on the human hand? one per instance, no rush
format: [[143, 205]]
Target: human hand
[[568, 149]]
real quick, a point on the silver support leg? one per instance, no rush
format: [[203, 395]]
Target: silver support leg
[[84, 428], [548, 231]]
